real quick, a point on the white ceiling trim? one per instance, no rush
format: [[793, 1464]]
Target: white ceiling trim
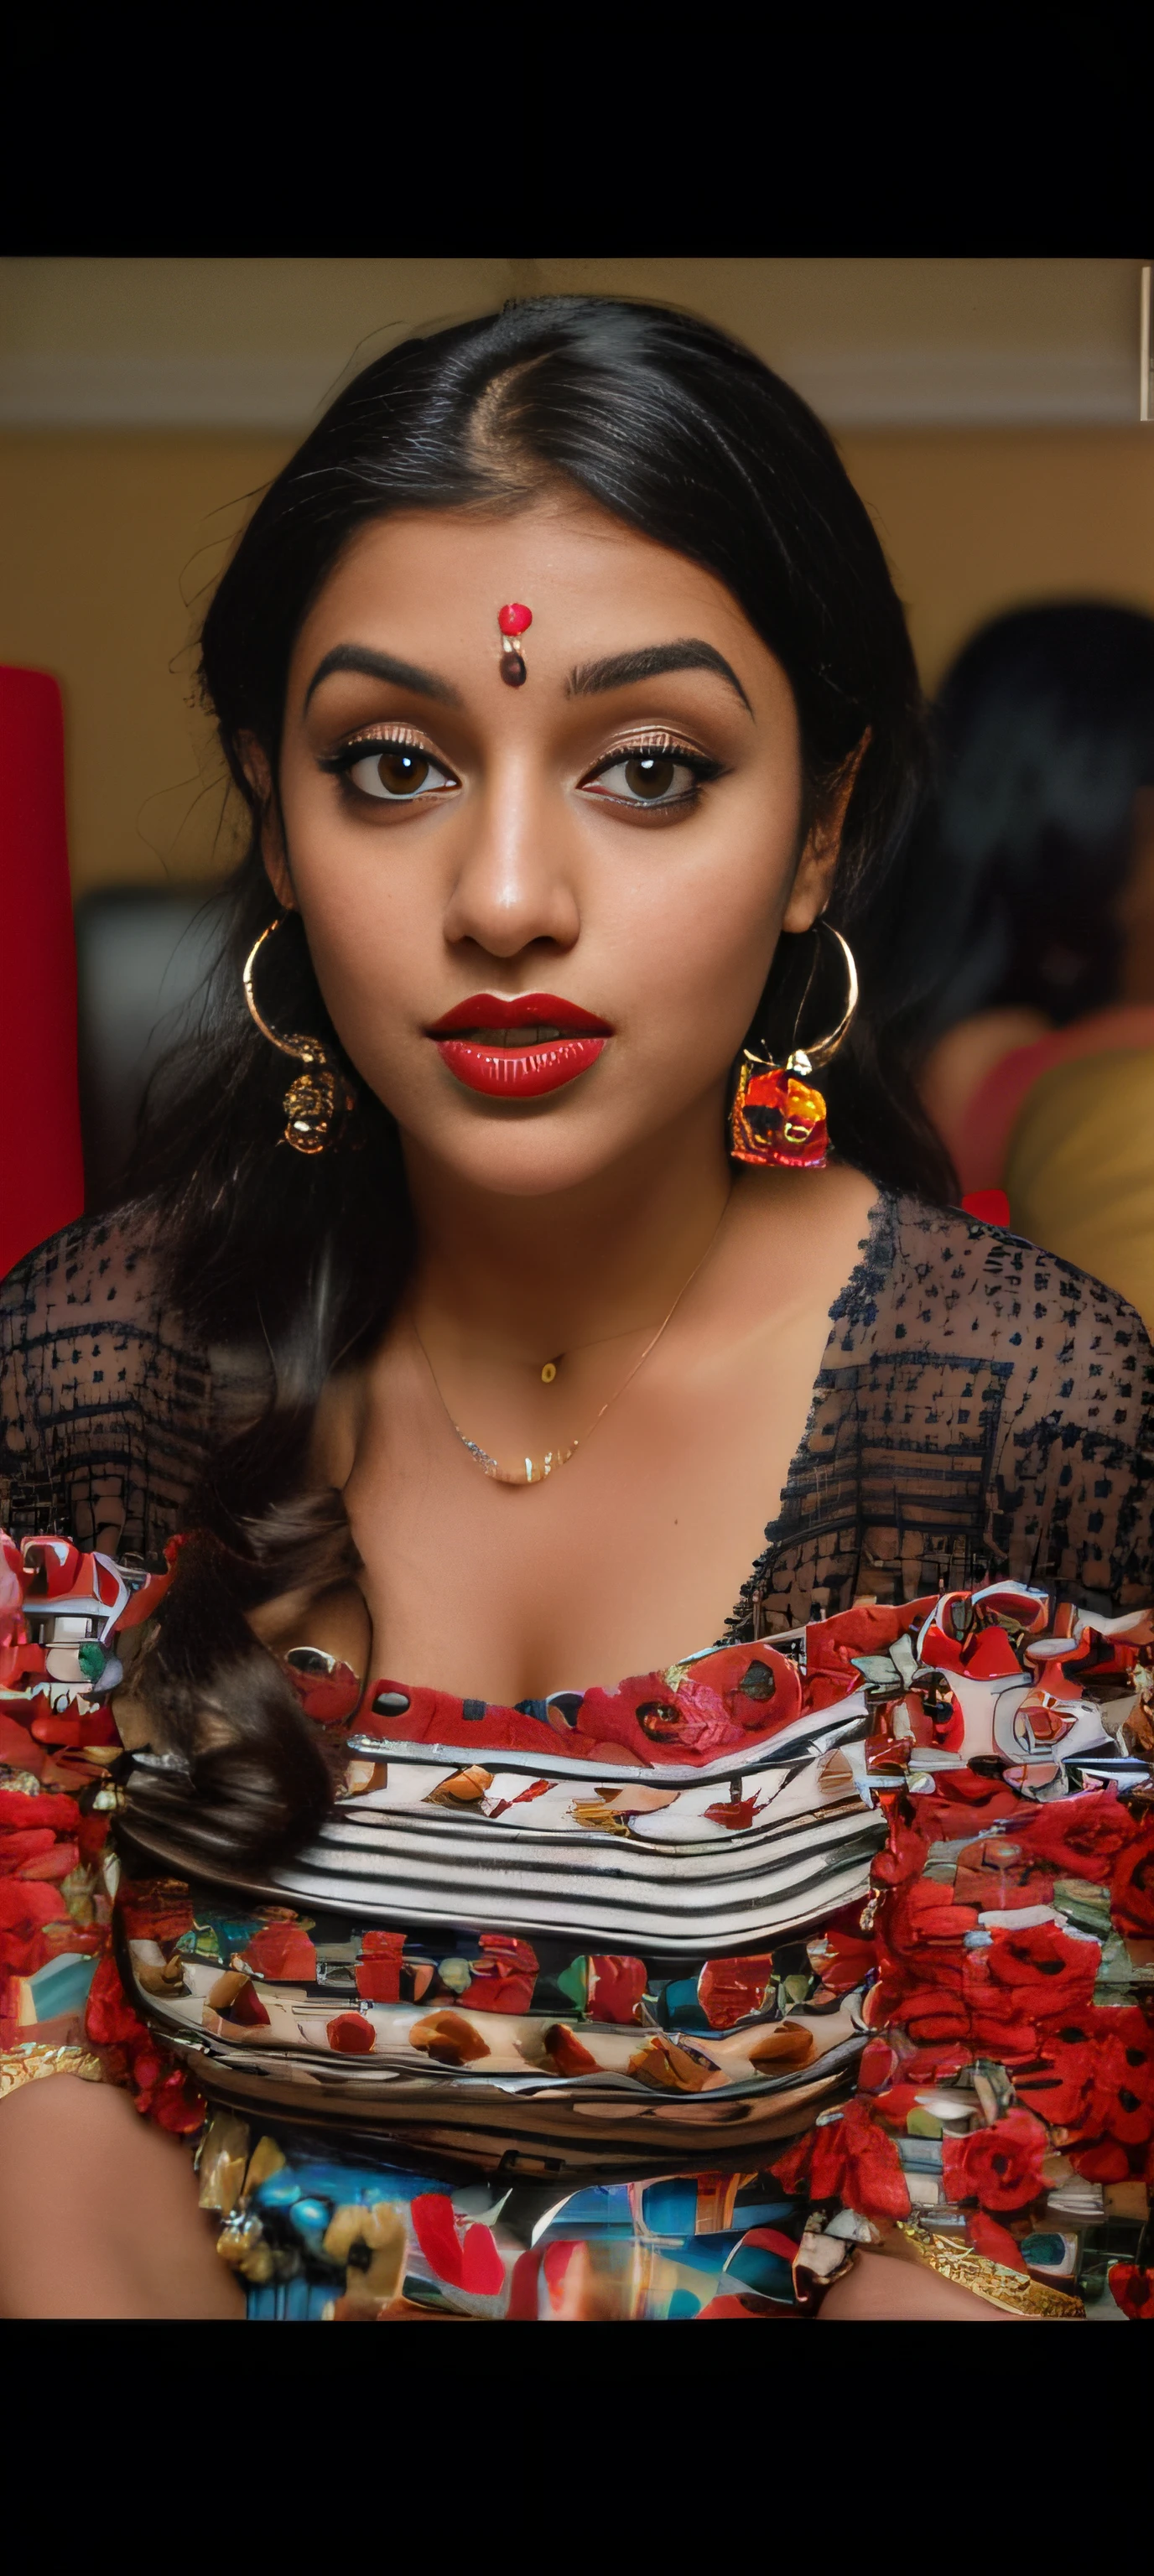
[[884, 389]]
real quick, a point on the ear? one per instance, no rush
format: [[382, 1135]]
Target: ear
[[817, 866], [258, 771]]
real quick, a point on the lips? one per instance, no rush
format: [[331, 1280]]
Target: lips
[[519, 1048]]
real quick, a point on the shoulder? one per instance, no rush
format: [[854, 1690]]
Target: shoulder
[[105, 1401], [98, 1271], [943, 1286], [978, 1392], [87, 1326]]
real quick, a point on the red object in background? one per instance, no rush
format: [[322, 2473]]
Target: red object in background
[[41, 1171], [991, 1207]]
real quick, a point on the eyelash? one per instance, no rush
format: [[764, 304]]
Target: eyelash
[[338, 763], [660, 747], [653, 746]]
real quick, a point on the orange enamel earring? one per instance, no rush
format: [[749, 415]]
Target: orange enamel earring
[[778, 1115]]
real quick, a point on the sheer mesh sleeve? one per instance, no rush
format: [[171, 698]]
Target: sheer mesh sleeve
[[983, 1408], [105, 1408]]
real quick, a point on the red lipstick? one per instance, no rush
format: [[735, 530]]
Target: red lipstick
[[521, 1048]]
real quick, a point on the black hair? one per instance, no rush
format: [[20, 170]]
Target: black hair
[[1045, 733], [676, 431]]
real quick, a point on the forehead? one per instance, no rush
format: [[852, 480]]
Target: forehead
[[435, 579]]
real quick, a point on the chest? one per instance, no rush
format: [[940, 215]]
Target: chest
[[625, 1558]]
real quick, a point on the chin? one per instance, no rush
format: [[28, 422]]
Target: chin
[[527, 1149], [536, 1167]]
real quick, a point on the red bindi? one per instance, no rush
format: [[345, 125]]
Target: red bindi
[[513, 621]]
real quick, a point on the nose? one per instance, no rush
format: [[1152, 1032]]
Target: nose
[[514, 888]]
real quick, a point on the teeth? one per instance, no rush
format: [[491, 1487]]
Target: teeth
[[514, 1037]]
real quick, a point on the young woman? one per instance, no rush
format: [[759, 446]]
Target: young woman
[[566, 688]]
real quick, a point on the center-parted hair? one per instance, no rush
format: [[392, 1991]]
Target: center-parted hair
[[680, 433]]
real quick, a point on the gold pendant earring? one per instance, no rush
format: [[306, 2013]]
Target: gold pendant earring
[[320, 1098]]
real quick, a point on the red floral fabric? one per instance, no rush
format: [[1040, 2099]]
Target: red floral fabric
[[131, 2057], [1001, 2167], [1000, 1967]]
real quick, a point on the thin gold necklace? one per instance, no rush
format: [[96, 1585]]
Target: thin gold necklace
[[532, 1473]]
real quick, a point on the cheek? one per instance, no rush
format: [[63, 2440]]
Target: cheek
[[366, 980], [697, 950], [364, 952]]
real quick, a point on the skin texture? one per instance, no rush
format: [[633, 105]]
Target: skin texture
[[882, 2290], [100, 2215], [566, 1225], [562, 1228]]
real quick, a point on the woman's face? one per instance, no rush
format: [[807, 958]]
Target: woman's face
[[617, 839]]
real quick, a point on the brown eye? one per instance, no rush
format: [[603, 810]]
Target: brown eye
[[650, 774], [656, 776], [402, 772], [395, 772]]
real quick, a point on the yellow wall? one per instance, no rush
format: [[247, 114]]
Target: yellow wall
[[975, 521], [108, 538]]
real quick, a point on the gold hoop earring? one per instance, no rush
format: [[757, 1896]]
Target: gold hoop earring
[[318, 1102], [778, 1114]]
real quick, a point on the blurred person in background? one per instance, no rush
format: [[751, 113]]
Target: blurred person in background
[[1080, 1170], [1038, 914]]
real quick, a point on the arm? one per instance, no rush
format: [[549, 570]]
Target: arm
[[879, 2291], [98, 2212]]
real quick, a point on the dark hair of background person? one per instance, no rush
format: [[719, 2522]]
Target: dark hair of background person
[[678, 432], [1044, 732]]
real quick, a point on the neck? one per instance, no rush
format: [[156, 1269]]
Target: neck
[[526, 1278]]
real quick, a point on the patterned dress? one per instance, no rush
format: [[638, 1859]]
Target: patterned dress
[[982, 1418]]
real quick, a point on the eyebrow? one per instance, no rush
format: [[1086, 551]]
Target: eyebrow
[[382, 666], [650, 662]]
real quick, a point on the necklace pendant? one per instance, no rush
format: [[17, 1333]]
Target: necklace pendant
[[554, 1458]]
